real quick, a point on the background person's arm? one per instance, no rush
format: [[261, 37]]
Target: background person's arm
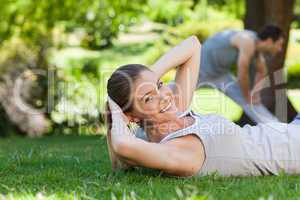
[[174, 157], [186, 57], [259, 77], [246, 48]]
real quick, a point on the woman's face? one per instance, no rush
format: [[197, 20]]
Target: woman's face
[[152, 100]]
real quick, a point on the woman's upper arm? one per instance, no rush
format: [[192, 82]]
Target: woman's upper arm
[[178, 157], [186, 58], [187, 77], [147, 154]]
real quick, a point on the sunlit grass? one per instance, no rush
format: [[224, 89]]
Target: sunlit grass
[[77, 167], [207, 101]]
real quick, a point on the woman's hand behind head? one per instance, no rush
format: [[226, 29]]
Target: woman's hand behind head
[[116, 112]]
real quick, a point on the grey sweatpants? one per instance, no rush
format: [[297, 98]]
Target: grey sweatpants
[[229, 85], [296, 120]]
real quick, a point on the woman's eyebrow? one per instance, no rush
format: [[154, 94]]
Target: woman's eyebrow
[[145, 95], [149, 91]]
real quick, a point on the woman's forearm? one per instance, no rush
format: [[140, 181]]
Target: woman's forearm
[[177, 56], [116, 161], [120, 133]]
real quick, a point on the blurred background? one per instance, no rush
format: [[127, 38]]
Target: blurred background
[[56, 56]]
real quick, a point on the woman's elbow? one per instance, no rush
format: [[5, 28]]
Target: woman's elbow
[[121, 148], [182, 167], [182, 170]]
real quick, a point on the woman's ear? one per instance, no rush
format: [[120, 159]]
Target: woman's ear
[[135, 120]]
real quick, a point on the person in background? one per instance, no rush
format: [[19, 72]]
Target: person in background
[[244, 49]]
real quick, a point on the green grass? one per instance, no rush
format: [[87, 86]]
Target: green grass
[[77, 167]]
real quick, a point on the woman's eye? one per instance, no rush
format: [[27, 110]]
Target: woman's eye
[[160, 84], [148, 99]]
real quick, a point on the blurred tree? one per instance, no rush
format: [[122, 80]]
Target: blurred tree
[[195, 2], [21, 94], [279, 12], [100, 19], [103, 20], [171, 12], [297, 13], [26, 35]]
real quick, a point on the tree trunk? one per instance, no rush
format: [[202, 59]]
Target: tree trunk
[[280, 12], [195, 2]]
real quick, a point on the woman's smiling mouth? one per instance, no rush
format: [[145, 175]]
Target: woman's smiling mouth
[[167, 107]]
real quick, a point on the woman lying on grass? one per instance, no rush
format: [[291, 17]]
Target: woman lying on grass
[[181, 142]]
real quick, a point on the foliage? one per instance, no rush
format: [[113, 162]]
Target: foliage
[[80, 95], [296, 23], [104, 19], [77, 102], [81, 91], [196, 24], [171, 12], [235, 8], [201, 30], [294, 76], [292, 60], [23, 87], [68, 167], [174, 12], [34, 23], [173, 35], [101, 20]]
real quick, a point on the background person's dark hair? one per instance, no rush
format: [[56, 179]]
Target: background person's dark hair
[[270, 31]]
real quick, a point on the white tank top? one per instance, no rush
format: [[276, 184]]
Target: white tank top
[[264, 149]]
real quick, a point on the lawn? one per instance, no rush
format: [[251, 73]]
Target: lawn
[[77, 167]]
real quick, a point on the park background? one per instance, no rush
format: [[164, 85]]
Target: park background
[[55, 59]]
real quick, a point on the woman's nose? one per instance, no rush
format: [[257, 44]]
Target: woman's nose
[[164, 98]]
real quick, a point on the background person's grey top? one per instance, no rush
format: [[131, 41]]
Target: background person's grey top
[[265, 149], [218, 55]]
